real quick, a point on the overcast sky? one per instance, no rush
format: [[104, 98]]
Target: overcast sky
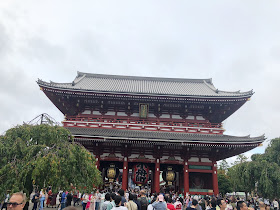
[[236, 43]]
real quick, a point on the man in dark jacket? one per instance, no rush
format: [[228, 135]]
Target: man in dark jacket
[[69, 198]]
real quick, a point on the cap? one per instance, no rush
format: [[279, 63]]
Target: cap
[[160, 197]]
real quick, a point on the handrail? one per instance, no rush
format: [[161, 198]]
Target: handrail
[[146, 122]]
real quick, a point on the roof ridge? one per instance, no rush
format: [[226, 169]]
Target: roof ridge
[[251, 92], [78, 79], [209, 80], [246, 92]]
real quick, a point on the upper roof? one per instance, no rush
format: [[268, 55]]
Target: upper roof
[[144, 86]]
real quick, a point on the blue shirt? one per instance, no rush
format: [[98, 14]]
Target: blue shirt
[[63, 196]]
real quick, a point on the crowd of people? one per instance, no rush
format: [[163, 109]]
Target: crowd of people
[[134, 200]]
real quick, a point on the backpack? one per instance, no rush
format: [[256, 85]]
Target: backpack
[[144, 203]]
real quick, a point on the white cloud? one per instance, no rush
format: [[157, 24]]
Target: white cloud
[[235, 43]]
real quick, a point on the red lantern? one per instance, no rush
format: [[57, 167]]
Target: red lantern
[[140, 173]]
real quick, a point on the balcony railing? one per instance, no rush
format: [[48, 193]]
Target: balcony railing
[[167, 125]]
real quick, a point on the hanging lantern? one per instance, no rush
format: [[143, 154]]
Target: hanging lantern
[[112, 172], [169, 175], [140, 174]]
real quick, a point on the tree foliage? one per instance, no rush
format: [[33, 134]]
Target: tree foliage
[[44, 155], [225, 185], [261, 175]]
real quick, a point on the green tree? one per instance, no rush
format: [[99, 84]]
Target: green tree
[[223, 167], [224, 184], [44, 155], [241, 158], [262, 174]]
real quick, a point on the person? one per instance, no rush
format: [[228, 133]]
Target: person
[[193, 205], [97, 199], [69, 198], [202, 203], [26, 206], [143, 200], [106, 202], [118, 201], [222, 204], [17, 201], [275, 204], [78, 198], [91, 202], [75, 197], [150, 207], [49, 198], [63, 200], [241, 205], [53, 200], [169, 204], [121, 193], [178, 205], [84, 200], [130, 204], [35, 200], [159, 204], [233, 202], [7, 196], [42, 199], [112, 203], [137, 202], [261, 205], [213, 204]]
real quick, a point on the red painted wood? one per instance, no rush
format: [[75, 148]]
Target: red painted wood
[[156, 178], [186, 179], [125, 174], [215, 179]]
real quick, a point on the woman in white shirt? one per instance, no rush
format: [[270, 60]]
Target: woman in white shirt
[[42, 199]]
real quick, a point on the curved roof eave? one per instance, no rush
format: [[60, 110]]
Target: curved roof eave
[[247, 94]]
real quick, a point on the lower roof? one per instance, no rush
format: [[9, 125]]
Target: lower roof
[[170, 137]]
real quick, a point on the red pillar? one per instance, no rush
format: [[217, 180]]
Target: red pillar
[[157, 174], [186, 178], [125, 173], [215, 179]]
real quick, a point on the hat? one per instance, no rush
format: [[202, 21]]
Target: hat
[[160, 197]]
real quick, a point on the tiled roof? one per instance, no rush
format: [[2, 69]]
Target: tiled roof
[[165, 136], [144, 85]]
